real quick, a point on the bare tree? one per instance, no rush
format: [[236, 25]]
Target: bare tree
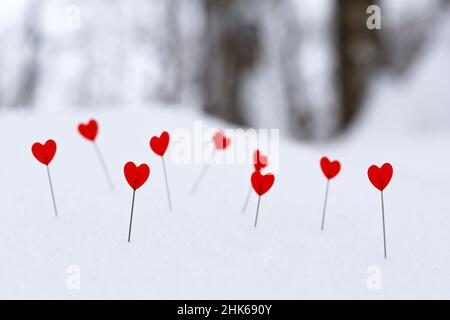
[[404, 38], [362, 52], [171, 88], [29, 73], [233, 43], [357, 48], [300, 118]]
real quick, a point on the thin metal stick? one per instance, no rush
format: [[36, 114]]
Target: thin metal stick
[[384, 226], [51, 189], [325, 205], [247, 199], [169, 199], [103, 164], [202, 174], [257, 211], [131, 217]]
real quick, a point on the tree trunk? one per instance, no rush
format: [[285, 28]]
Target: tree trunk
[[171, 53], [29, 76], [233, 44], [357, 55]]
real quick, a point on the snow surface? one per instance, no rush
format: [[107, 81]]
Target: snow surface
[[206, 248]]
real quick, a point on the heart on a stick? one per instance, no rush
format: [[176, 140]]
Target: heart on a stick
[[44, 153], [221, 142], [259, 161], [136, 176], [330, 168], [89, 130], [159, 144], [380, 177], [262, 183]]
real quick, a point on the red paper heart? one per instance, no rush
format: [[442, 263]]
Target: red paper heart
[[380, 177], [330, 168], [136, 176], [262, 183], [44, 153], [259, 161], [89, 130], [221, 142], [159, 144]]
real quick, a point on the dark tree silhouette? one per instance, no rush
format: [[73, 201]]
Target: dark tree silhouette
[[233, 44], [358, 54], [29, 73]]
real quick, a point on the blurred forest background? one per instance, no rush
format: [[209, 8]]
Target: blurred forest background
[[305, 66]]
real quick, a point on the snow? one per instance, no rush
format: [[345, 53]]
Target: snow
[[207, 248], [10, 10]]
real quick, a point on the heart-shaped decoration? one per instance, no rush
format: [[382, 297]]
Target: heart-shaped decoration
[[259, 161], [330, 168], [380, 177], [44, 153], [221, 142], [136, 176], [89, 130], [262, 183], [159, 144]]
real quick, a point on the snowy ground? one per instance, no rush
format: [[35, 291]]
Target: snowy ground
[[206, 248]]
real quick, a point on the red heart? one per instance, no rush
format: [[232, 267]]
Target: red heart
[[44, 153], [262, 183], [330, 168], [380, 177], [259, 161], [159, 144], [136, 176], [89, 130], [221, 141]]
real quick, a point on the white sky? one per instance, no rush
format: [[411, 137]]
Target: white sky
[[10, 12]]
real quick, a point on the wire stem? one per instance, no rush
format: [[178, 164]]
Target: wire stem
[[51, 189]]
